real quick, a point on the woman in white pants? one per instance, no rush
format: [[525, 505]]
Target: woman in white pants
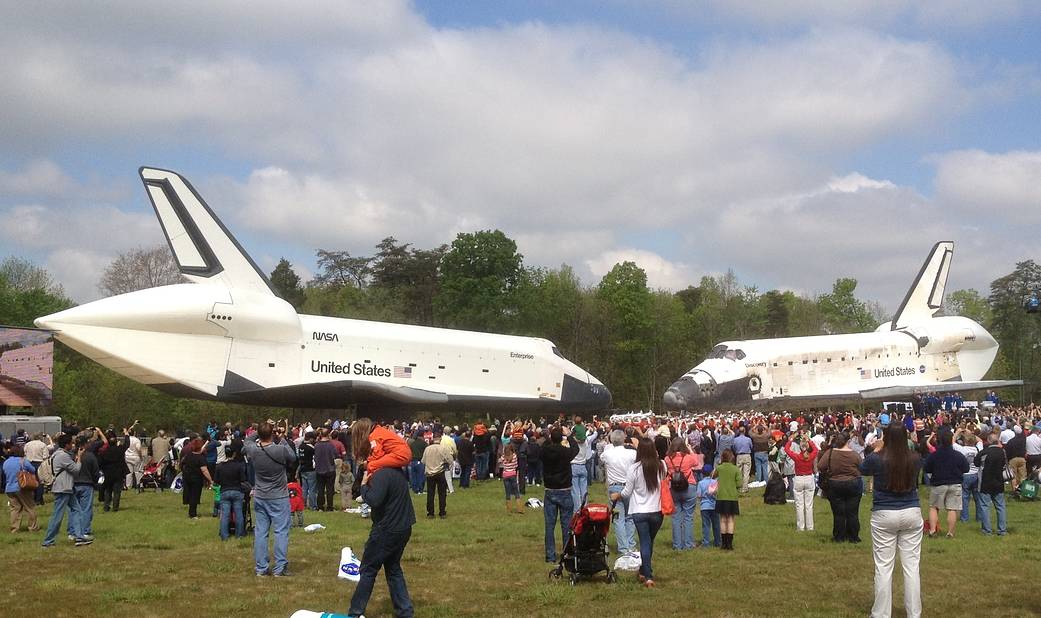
[[896, 520], [805, 485]]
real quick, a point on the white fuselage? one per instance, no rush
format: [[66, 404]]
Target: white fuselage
[[250, 347], [832, 367]]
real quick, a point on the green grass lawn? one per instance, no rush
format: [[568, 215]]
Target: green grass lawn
[[150, 560]]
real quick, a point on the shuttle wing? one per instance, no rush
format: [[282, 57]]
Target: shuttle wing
[[926, 294], [335, 394], [889, 392], [204, 249]]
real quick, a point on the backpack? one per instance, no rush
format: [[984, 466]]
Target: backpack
[[46, 472], [678, 481]]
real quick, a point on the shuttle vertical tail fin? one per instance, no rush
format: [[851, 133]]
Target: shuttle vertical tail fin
[[925, 297], [204, 249]]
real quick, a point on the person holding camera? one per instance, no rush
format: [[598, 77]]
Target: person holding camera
[[112, 457], [135, 463], [195, 474], [896, 519], [558, 502], [805, 485], [65, 463], [946, 468], [681, 464], [83, 484], [840, 465], [271, 456]]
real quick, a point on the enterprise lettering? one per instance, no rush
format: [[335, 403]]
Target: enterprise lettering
[[520, 355]]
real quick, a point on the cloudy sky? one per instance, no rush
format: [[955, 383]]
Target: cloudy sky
[[794, 145]]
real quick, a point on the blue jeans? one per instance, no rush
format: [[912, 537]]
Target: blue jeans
[[81, 516], [481, 459], [647, 526], [271, 515], [557, 504], [309, 481], [61, 503], [710, 524], [464, 477], [683, 518], [231, 502], [40, 489], [579, 484], [534, 472], [624, 529], [970, 486], [999, 506], [762, 461], [383, 549], [417, 476], [590, 469]]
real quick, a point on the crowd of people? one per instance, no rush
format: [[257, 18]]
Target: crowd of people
[[267, 475]]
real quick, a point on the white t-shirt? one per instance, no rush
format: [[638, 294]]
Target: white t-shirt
[[1034, 444], [1007, 435], [641, 499], [617, 461], [133, 455], [969, 452]]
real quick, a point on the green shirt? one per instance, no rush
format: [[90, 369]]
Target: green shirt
[[729, 478]]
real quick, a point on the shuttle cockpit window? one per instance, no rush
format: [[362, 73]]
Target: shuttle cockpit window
[[718, 352], [734, 355], [557, 352]]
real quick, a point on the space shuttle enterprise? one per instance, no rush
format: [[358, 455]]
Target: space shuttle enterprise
[[226, 336], [916, 352]]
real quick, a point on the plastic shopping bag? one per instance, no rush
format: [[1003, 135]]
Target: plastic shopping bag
[[350, 566]]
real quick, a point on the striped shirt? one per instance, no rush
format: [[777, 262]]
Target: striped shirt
[[509, 468]]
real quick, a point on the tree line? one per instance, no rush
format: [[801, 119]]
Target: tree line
[[636, 339]]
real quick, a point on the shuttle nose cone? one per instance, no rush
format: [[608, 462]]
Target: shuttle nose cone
[[583, 396], [599, 396], [681, 395]]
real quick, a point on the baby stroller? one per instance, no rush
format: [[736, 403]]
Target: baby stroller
[[585, 552], [150, 478]]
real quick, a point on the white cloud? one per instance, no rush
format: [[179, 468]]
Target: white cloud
[[661, 273], [1005, 185], [352, 121], [928, 14], [99, 228], [38, 177], [79, 271]]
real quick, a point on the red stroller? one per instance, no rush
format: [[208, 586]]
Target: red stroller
[[585, 552]]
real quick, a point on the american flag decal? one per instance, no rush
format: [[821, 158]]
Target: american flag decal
[[402, 372], [865, 374]]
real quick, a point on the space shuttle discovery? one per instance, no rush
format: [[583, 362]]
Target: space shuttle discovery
[[917, 352], [226, 336]]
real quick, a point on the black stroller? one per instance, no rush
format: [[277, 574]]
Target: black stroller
[[585, 552]]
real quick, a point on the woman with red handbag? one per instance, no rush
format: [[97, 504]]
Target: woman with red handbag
[[21, 483]]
